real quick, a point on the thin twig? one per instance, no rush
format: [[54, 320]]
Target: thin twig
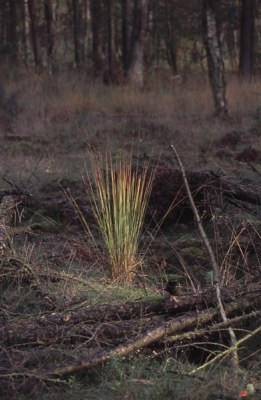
[[233, 340], [252, 166]]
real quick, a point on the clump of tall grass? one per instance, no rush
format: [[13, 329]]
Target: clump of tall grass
[[120, 197]]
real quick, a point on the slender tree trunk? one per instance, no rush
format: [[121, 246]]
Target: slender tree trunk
[[126, 34], [216, 70], [11, 29], [35, 34], [135, 70], [12, 22], [78, 33], [247, 39], [26, 31], [231, 46], [3, 9], [171, 42], [111, 42], [97, 36], [85, 27], [49, 17]]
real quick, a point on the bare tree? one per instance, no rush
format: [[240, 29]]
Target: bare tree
[[50, 27], [135, 70], [3, 21], [25, 31], [49, 17], [78, 33], [247, 39], [171, 42], [35, 33], [216, 70], [12, 26], [126, 34], [97, 36], [8, 31], [111, 41]]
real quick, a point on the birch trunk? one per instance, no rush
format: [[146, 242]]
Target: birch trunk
[[136, 68], [216, 70]]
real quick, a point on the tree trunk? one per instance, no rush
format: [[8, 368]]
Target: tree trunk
[[126, 34], [247, 39], [135, 71], [49, 17], [3, 9], [12, 26], [216, 69], [85, 27], [78, 33], [111, 42], [35, 34], [171, 43], [232, 48], [97, 36], [25, 31]]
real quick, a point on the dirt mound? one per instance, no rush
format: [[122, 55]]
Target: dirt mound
[[169, 199], [232, 139], [249, 154]]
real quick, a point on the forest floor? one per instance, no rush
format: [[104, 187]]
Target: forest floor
[[47, 126]]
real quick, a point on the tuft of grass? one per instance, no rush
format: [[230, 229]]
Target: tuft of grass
[[120, 200]]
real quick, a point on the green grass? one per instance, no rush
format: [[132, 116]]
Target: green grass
[[120, 198]]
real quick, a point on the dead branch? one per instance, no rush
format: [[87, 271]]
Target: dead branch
[[79, 326], [147, 308], [188, 321], [97, 333]]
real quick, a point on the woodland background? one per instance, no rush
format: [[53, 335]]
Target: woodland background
[[111, 39]]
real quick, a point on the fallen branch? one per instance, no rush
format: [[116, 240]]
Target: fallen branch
[[141, 309], [54, 331], [141, 340], [74, 334]]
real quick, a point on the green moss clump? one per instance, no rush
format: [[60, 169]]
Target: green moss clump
[[195, 255]]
